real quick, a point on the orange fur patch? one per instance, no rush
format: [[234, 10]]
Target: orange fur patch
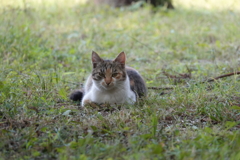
[[119, 75], [108, 76], [132, 83]]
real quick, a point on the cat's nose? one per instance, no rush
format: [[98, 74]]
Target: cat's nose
[[108, 81]]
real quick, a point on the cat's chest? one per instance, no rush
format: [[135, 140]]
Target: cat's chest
[[118, 96]]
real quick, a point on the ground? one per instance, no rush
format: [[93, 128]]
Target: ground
[[45, 49]]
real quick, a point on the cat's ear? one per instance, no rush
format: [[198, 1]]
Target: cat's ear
[[95, 59], [121, 58]]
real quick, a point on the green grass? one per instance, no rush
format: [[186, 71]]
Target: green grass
[[45, 49]]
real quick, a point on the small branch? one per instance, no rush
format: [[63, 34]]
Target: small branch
[[222, 76], [208, 80], [181, 76], [161, 88]]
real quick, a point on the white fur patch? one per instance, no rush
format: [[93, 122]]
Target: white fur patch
[[117, 93]]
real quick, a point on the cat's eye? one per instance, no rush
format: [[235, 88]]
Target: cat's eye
[[114, 74], [101, 74]]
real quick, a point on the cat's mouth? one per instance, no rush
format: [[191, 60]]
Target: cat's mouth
[[108, 87]]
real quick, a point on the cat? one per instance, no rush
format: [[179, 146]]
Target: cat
[[111, 82]]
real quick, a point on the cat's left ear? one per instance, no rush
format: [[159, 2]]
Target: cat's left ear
[[121, 58]]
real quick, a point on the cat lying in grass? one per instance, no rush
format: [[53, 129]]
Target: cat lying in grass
[[111, 82]]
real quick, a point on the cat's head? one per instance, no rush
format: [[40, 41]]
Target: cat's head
[[108, 74]]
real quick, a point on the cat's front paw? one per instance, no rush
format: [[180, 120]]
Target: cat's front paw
[[86, 102], [89, 103]]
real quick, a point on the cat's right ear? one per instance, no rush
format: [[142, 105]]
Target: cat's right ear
[[95, 59]]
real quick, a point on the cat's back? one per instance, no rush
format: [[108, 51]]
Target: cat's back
[[137, 83]]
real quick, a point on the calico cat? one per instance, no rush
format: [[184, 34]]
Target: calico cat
[[111, 82]]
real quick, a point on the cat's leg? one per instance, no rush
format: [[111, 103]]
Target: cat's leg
[[90, 103], [86, 99], [86, 102], [132, 97]]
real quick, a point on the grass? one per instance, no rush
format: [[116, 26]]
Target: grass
[[45, 51]]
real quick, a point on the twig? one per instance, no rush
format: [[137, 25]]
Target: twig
[[208, 80], [222, 76], [161, 88], [181, 76]]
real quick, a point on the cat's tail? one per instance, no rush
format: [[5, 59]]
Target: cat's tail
[[77, 95]]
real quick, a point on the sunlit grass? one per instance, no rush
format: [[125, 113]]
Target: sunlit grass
[[212, 5], [40, 3]]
